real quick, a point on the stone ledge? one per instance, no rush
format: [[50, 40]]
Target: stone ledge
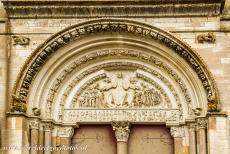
[[108, 8], [217, 114]]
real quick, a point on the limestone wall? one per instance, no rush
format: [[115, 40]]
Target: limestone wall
[[216, 56]]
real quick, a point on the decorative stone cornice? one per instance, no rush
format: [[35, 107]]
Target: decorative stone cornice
[[202, 123], [65, 131], [45, 51], [122, 130], [177, 131], [109, 8]]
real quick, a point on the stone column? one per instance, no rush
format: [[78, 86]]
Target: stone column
[[122, 131], [16, 133], [218, 127], [178, 133], [48, 134], [65, 134], [54, 139], [192, 138], [34, 135], [201, 137], [41, 137]]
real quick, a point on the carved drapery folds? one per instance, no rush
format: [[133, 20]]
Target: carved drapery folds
[[122, 130], [42, 54]]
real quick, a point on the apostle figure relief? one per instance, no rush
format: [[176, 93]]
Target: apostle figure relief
[[120, 90]]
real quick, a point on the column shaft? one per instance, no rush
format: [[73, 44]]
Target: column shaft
[[202, 141], [122, 148], [47, 137], [178, 145], [192, 139], [34, 139]]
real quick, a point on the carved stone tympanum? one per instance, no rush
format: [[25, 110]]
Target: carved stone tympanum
[[118, 90]]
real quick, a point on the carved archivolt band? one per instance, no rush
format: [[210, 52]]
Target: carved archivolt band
[[44, 52], [110, 53]]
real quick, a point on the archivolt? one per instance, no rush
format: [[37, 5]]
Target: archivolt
[[40, 56]]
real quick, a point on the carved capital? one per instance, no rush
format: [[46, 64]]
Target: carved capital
[[34, 124], [65, 131], [202, 123], [48, 127], [192, 127], [177, 131], [122, 130]]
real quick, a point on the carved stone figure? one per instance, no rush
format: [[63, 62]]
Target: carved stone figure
[[36, 111], [20, 40], [120, 93], [209, 37], [18, 105]]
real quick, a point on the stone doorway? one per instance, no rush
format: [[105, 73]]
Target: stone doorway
[[99, 139], [144, 139], [149, 139]]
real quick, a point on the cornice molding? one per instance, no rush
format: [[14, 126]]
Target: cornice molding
[[109, 8]]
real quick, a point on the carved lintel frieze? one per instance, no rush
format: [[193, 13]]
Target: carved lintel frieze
[[177, 131], [34, 124], [20, 40], [65, 132], [122, 130], [202, 123]]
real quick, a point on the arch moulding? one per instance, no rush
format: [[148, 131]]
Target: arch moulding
[[50, 47]]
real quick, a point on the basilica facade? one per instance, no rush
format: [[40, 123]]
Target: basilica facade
[[115, 77]]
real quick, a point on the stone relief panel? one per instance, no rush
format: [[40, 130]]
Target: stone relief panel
[[132, 115], [119, 89]]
